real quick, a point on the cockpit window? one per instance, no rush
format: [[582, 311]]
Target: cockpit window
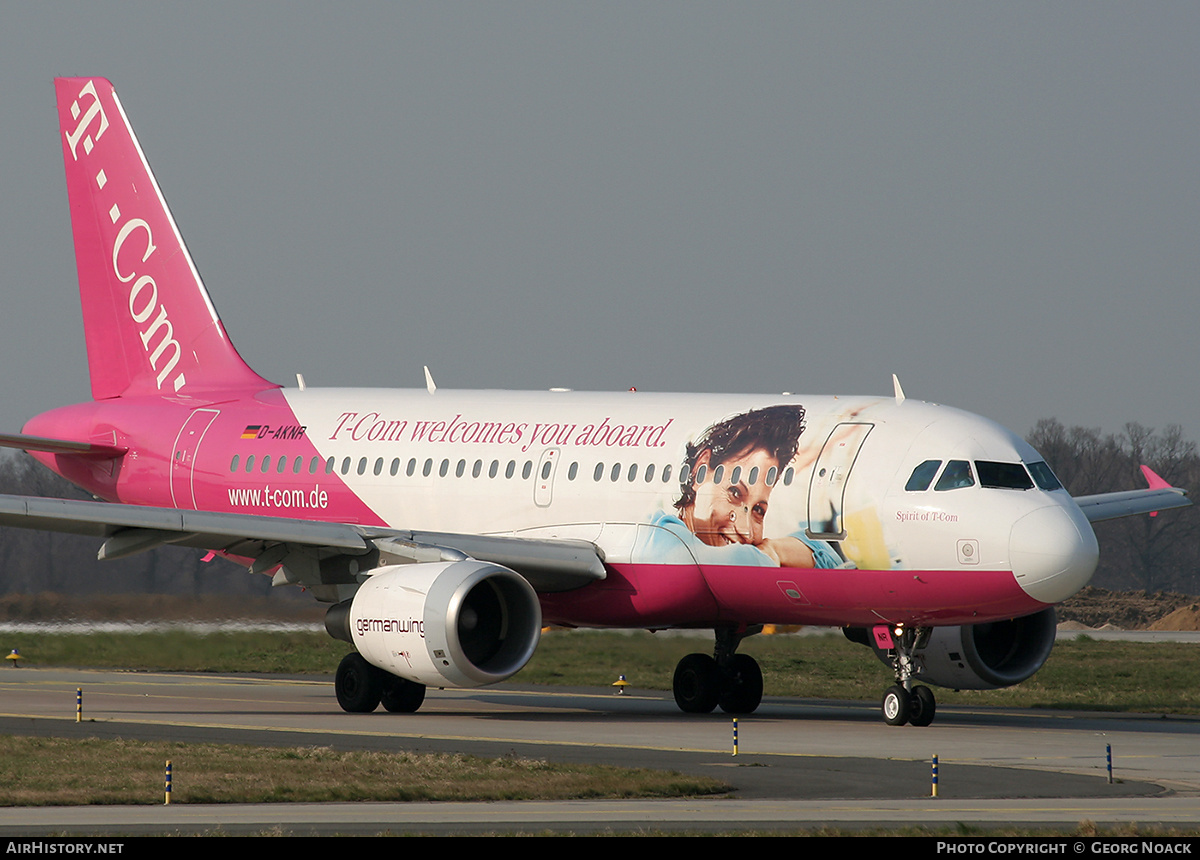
[[922, 476], [1044, 477], [1006, 476], [957, 474]]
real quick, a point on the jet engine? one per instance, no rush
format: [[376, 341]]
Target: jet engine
[[984, 656], [447, 624]]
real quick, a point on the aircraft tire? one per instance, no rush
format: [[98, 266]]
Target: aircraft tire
[[358, 685], [746, 686], [923, 706], [696, 684], [897, 706], [402, 696]]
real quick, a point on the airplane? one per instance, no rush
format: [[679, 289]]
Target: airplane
[[445, 528]]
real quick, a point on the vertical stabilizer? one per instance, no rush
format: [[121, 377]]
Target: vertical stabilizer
[[150, 325]]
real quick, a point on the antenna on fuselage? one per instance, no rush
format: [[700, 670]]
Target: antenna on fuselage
[[898, 389], [429, 381], [300, 381]]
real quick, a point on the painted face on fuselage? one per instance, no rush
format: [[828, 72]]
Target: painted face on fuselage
[[729, 512]]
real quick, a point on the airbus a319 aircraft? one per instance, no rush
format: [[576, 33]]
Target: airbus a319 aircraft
[[444, 528]]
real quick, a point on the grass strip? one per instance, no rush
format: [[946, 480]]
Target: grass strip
[[37, 771]]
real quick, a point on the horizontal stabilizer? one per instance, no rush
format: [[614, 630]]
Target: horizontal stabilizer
[[58, 446]]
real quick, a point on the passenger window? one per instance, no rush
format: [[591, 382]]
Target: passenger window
[[427, 468], [752, 478], [510, 469], [632, 472], [573, 471], [266, 462], [313, 465], [700, 473], [250, 463], [477, 469], [649, 473], [346, 466], [444, 468], [546, 470], [233, 466], [379, 466], [616, 473], [362, 465], [527, 470], [666, 478], [787, 476], [957, 475], [298, 464], [922, 476], [329, 466], [736, 476], [460, 469], [772, 473], [599, 473], [718, 474], [395, 470], [494, 469], [282, 465]]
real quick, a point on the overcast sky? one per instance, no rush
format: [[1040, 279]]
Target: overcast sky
[[999, 202]]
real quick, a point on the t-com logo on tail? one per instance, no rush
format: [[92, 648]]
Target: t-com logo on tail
[[150, 326], [95, 109]]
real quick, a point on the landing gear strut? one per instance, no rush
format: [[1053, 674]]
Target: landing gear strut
[[360, 687], [731, 680], [903, 702]]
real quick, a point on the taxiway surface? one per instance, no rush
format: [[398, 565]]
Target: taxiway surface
[[799, 762]]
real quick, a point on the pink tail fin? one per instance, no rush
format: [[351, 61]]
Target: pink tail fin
[[149, 323]]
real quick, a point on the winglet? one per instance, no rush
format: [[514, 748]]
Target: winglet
[[1155, 482], [899, 391]]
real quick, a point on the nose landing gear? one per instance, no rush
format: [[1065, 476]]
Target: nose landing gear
[[903, 702]]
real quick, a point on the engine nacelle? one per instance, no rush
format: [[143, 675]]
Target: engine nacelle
[[445, 624], [986, 656]]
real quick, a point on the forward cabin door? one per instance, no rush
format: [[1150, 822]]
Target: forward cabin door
[[827, 490]]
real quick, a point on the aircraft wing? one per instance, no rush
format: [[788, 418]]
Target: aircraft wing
[[1159, 496], [315, 553]]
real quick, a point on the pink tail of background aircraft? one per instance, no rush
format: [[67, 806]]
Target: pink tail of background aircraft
[[444, 528]]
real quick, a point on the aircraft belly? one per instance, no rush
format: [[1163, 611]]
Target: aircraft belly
[[850, 597]]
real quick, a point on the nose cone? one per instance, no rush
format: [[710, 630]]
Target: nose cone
[[1053, 552]]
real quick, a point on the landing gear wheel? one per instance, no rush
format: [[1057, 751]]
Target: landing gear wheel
[[696, 684], [923, 706], [745, 686], [897, 705], [402, 696], [358, 685]]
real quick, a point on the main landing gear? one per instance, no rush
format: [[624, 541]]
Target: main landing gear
[[733, 681], [904, 702], [360, 687]]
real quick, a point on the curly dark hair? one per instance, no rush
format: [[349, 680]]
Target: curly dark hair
[[775, 429]]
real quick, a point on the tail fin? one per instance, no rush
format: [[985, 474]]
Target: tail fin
[[149, 323]]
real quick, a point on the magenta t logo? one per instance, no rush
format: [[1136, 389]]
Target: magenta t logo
[[94, 110]]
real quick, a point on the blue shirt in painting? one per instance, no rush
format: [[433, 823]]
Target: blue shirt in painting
[[672, 542]]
